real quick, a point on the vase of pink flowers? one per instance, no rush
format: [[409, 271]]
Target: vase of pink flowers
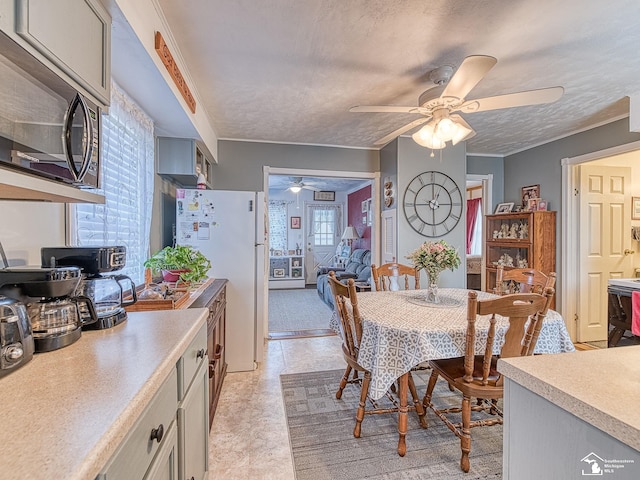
[[434, 258]]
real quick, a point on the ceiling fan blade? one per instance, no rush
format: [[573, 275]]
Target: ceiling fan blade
[[469, 73], [309, 187], [384, 109], [396, 133], [519, 99]]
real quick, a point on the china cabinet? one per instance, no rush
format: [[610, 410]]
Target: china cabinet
[[519, 240]]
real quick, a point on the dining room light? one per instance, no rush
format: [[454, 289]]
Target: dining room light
[[441, 129]]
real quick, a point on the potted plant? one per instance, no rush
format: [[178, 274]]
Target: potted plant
[[181, 262]]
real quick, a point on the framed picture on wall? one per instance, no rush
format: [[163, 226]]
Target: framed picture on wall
[[295, 223], [635, 208], [325, 196]]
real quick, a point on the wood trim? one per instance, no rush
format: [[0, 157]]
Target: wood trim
[[167, 59]]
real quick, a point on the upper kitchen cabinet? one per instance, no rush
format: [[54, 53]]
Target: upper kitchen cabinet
[[183, 159], [72, 37]]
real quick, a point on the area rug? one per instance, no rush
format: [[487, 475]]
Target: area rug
[[297, 309], [323, 445]]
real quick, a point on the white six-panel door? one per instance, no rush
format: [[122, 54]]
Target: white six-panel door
[[604, 243]]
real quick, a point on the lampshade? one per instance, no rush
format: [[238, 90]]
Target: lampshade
[[441, 129], [350, 233]]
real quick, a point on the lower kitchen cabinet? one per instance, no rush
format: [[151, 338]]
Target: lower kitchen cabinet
[[165, 465], [170, 439], [214, 298], [193, 431]]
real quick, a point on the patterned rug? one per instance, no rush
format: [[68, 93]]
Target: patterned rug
[[324, 448], [297, 309]]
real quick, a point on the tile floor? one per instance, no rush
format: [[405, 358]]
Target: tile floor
[[249, 438]]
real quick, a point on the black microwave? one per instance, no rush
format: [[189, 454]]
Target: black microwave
[[47, 127]]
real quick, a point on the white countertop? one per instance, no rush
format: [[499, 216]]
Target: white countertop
[[601, 387], [65, 412]]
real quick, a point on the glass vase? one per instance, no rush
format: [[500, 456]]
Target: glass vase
[[432, 289]]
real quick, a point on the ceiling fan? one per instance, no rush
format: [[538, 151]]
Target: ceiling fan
[[436, 106], [297, 184]]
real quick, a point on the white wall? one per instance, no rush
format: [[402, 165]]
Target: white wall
[[28, 226]]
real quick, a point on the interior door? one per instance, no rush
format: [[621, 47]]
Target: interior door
[[604, 243]]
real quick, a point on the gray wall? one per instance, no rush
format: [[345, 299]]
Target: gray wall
[[240, 163], [413, 160], [542, 165], [389, 169], [485, 165]]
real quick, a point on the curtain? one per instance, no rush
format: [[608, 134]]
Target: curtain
[[473, 206], [277, 225], [127, 169], [312, 225]]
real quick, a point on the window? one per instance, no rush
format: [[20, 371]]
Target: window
[[127, 168], [278, 225], [324, 224]]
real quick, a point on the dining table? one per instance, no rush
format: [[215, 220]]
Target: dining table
[[402, 329]]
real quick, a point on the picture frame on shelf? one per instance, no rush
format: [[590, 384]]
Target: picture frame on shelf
[[532, 204], [543, 205], [278, 272], [295, 223], [532, 191], [635, 208], [324, 196], [504, 207], [291, 252]]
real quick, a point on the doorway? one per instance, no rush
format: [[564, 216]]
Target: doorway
[[579, 281], [303, 193]]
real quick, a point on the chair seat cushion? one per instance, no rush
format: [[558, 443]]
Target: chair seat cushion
[[452, 369]]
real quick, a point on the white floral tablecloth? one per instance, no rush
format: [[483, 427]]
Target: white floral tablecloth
[[398, 334]]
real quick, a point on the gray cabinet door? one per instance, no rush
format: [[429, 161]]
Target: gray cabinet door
[[193, 427], [75, 35], [165, 464]]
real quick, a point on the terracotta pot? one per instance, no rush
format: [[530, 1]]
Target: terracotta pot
[[172, 275]]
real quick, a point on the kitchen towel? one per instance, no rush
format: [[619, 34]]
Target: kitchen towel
[[635, 312]]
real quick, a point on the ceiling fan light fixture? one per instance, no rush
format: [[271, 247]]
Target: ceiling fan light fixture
[[295, 188], [460, 133], [427, 137]]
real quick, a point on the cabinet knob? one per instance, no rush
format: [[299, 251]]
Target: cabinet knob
[[200, 353], [157, 433], [629, 252]]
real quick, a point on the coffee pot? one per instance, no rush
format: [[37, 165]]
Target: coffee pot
[[57, 322], [16, 339], [107, 294]]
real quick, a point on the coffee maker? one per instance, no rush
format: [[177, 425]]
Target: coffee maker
[[108, 292], [55, 312]]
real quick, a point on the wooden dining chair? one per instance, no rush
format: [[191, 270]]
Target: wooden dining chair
[[526, 280], [476, 375], [346, 303], [382, 275]]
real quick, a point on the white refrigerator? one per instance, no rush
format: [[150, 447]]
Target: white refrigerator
[[228, 227]]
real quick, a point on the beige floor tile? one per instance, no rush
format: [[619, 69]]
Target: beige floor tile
[[249, 436]]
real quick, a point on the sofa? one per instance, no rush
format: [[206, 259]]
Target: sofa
[[357, 267]]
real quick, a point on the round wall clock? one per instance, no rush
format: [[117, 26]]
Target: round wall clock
[[432, 204]]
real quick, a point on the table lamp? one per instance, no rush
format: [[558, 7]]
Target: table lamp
[[350, 234]]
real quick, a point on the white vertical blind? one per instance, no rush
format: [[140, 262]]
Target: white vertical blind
[[127, 168]]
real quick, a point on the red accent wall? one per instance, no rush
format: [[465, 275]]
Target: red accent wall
[[355, 217]]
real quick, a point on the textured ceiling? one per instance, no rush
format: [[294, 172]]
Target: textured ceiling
[[334, 184], [289, 70]]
